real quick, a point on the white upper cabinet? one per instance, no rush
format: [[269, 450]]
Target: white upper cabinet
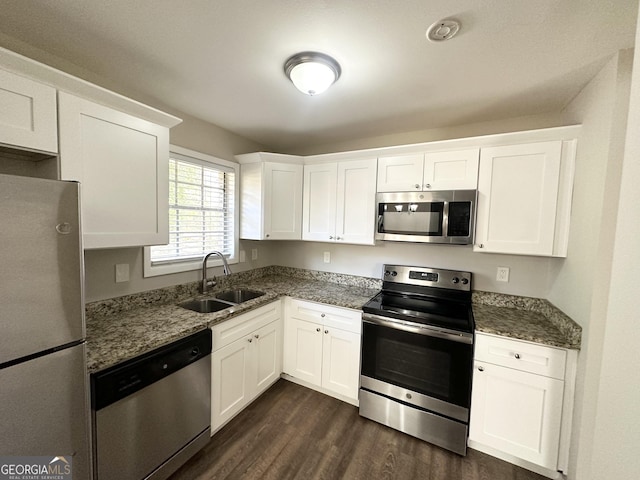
[[270, 196], [339, 202], [122, 164], [402, 173], [27, 113], [524, 196], [445, 170], [456, 170]]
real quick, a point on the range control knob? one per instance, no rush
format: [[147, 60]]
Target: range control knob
[[394, 273], [387, 273], [455, 280], [465, 281]]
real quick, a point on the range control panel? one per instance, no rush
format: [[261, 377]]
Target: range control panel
[[428, 277]]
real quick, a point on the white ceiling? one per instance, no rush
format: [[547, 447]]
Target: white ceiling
[[222, 60]]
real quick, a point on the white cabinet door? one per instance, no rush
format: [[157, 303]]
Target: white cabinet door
[[267, 352], [319, 202], [27, 113], [455, 170], [356, 202], [303, 351], [122, 164], [341, 362], [283, 201], [517, 413], [517, 196], [230, 384], [400, 173]]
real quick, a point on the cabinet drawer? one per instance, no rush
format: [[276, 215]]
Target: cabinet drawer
[[524, 356], [330, 316], [231, 330]]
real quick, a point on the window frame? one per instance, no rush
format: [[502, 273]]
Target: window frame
[[150, 270]]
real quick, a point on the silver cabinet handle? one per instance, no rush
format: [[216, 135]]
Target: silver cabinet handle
[[322, 315], [267, 235], [256, 336], [330, 237], [481, 369], [250, 340], [338, 238], [481, 245], [517, 355], [417, 185], [427, 185], [318, 329], [326, 331]]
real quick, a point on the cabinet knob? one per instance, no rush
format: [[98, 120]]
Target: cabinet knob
[[322, 315], [326, 331], [267, 235], [330, 237], [318, 329], [250, 340], [256, 336], [481, 369], [517, 355], [481, 245], [338, 238], [427, 185], [417, 186], [409, 396]]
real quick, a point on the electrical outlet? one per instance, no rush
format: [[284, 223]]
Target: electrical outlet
[[327, 257], [254, 254], [122, 272], [502, 274]]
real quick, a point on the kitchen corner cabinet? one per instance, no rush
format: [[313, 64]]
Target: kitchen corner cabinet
[[446, 170], [339, 202], [522, 396], [27, 113], [246, 360], [524, 198], [322, 348], [270, 196], [121, 162]]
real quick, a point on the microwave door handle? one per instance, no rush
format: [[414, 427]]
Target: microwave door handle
[[380, 224]]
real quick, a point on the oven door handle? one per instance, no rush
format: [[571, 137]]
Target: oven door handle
[[430, 331]]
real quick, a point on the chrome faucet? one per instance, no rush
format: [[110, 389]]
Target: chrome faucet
[[206, 283]]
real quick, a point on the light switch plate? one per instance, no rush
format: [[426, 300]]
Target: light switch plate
[[122, 272]]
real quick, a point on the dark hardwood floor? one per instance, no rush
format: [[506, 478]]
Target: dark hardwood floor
[[292, 432]]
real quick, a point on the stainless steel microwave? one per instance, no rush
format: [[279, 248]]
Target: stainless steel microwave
[[429, 217]]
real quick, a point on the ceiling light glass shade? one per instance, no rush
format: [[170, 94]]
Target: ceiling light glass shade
[[312, 72]]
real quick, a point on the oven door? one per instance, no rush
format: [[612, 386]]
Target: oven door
[[428, 368]]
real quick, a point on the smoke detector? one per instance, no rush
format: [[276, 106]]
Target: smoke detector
[[443, 30]]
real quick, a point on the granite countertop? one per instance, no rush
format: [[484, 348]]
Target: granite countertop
[[122, 328]]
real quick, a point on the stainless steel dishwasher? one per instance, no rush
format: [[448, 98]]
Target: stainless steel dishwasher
[[152, 413]]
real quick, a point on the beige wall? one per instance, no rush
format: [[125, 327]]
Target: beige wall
[[601, 108], [617, 419]]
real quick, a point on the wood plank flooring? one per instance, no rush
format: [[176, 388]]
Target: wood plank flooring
[[292, 432]]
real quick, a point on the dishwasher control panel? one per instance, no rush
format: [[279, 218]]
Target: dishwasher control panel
[[117, 382]]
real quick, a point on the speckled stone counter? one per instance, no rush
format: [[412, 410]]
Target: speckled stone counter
[[122, 328], [525, 318]]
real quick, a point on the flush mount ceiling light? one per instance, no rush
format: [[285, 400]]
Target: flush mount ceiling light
[[312, 72], [443, 30]]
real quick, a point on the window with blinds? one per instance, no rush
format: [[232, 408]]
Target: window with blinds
[[201, 211]]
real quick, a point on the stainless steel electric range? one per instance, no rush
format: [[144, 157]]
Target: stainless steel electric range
[[417, 354]]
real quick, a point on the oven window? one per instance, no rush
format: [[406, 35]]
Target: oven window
[[432, 366], [412, 218]]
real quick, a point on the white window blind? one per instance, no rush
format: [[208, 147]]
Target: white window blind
[[201, 211]]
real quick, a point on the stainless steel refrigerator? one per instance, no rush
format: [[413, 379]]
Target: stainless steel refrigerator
[[43, 379]]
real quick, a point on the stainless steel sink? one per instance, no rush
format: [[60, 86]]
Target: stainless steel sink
[[240, 295], [206, 305]]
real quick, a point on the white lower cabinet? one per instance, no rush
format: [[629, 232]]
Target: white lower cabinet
[[322, 347], [246, 360], [518, 405]]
